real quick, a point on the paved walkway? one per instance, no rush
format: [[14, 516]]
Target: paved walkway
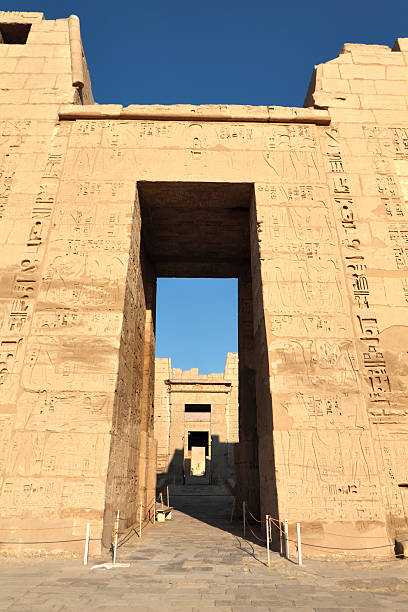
[[186, 564]]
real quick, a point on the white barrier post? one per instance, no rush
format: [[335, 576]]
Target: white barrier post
[[88, 527], [243, 515], [154, 510], [115, 548], [140, 520], [168, 499], [267, 539], [286, 539], [299, 543], [281, 538]]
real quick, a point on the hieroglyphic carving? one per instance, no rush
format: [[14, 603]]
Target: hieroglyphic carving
[[82, 279], [63, 321], [305, 363], [319, 411], [12, 135], [30, 497], [392, 442], [64, 363], [389, 142], [11, 350], [372, 356], [335, 469], [64, 411], [297, 194], [26, 280], [311, 325]]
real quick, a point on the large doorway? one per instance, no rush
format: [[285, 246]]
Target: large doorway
[[203, 230], [186, 230]]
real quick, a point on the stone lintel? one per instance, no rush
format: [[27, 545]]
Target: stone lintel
[[188, 386], [185, 112], [173, 381]]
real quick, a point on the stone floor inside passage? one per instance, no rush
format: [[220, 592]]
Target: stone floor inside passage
[[193, 564]]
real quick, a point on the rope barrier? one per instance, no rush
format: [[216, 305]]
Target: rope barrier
[[55, 541], [340, 535], [254, 534], [127, 534], [275, 523], [255, 519]]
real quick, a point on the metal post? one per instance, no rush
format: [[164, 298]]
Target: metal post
[[232, 510], [281, 538], [168, 499], [140, 520], [115, 548], [88, 527], [154, 510], [286, 539], [243, 515], [267, 539], [299, 544]]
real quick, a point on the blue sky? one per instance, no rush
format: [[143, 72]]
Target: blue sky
[[197, 321], [224, 51]]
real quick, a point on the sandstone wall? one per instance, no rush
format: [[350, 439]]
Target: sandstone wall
[[328, 280], [366, 164], [55, 405]]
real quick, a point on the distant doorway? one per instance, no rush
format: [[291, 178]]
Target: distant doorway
[[196, 463]]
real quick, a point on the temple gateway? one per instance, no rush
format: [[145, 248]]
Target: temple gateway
[[306, 207]]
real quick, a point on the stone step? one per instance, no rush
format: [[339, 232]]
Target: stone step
[[200, 490]]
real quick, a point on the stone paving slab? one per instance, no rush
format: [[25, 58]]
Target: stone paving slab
[[189, 565]]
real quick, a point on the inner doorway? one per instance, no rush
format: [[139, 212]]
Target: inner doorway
[[196, 382]]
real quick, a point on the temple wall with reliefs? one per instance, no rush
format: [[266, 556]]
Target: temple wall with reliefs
[[323, 306]]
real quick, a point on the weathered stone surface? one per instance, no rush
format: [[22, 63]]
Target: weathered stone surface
[[175, 392], [307, 207]]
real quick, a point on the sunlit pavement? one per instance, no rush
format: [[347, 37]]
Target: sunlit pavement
[[187, 564]]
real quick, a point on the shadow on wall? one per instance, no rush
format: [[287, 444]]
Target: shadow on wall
[[219, 468]]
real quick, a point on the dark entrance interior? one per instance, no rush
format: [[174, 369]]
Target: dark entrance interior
[[198, 438]]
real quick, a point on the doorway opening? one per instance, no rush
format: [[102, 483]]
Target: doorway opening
[[196, 382], [190, 230], [198, 439]]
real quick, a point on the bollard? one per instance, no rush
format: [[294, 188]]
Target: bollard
[[281, 538], [267, 539], [232, 510], [299, 544], [287, 539], [140, 520], [168, 499], [88, 527], [115, 548], [154, 510], [243, 515]]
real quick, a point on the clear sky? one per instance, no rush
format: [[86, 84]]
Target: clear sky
[[197, 321], [218, 51], [214, 51]]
